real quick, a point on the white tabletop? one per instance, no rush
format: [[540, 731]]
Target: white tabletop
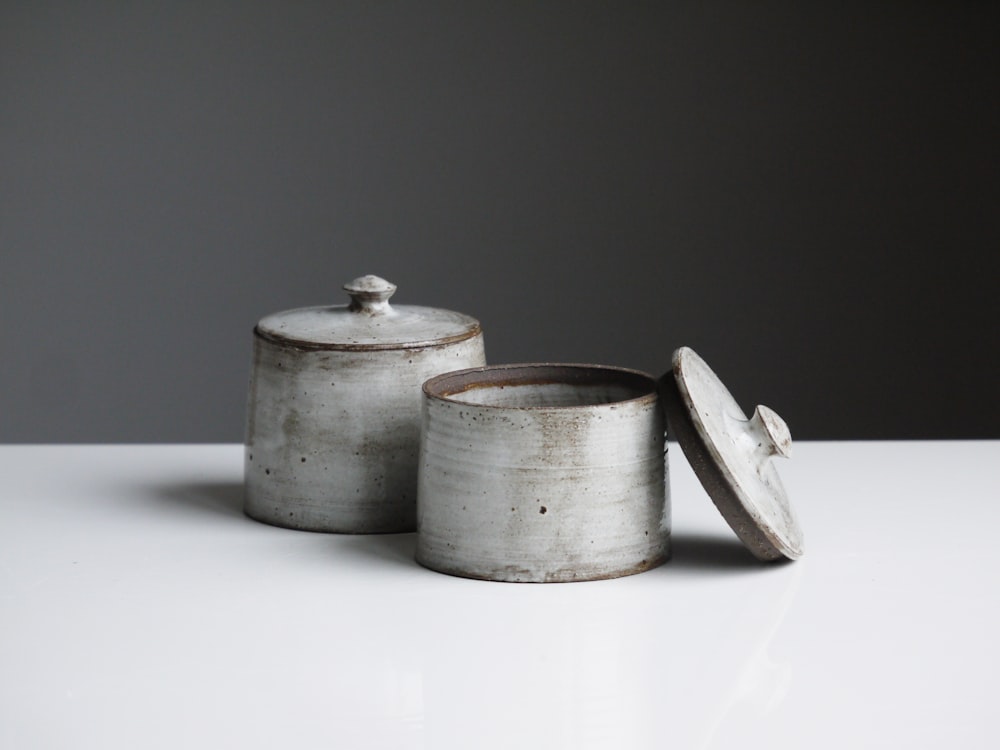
[[140, 609]]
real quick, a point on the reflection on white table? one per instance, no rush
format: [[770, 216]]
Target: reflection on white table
[[140, 608]]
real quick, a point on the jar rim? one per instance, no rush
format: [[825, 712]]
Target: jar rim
[[450, 386]]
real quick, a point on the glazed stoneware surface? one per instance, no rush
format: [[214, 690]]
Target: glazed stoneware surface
[[542, 473], [733, 456], [333, 416]]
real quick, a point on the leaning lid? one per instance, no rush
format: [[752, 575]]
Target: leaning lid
[[732, 456], [369, 322]]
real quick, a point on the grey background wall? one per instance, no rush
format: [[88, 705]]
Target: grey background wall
[[805, 193]]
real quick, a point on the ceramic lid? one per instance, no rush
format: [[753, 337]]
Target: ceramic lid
[[733, 456], [369, 322]]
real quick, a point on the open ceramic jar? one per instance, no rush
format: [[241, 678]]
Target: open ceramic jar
[[542, 473], [547, 473]]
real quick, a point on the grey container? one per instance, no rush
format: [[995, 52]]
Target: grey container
[[333, 412], [543, 473], [548, 473]]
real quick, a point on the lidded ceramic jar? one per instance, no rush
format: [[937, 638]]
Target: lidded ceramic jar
[[547, 473], [333, 413]]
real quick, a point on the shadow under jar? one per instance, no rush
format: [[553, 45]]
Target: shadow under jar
[[542, 473]]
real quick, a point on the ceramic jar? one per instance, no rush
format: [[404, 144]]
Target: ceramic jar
[[333, 414], [542, 473]]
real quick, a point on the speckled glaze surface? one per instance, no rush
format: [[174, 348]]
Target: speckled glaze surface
[[542, 473], [732, 456], [333, 414]]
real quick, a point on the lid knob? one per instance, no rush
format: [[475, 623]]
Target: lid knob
[[370, 294], [771, 433]]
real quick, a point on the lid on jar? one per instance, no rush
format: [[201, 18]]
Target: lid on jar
[[733, 456], [368, 323]]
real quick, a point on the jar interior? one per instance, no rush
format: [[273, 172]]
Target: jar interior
[[541, 386]]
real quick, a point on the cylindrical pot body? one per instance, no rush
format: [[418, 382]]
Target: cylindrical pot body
[[333, 424], [542, 473]]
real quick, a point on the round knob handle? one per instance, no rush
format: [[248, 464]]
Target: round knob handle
[[771, 433], [370, 294]]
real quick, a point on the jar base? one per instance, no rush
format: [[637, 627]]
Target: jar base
[[515, 574], [325, 527]]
